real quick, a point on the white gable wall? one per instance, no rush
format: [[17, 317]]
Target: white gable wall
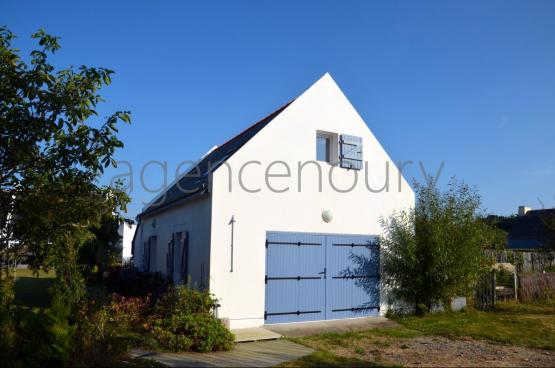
[[291, 137]]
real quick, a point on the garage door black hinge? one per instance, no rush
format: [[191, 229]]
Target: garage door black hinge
[[266, 279], [266, 243], [298, 313], [355, 309]]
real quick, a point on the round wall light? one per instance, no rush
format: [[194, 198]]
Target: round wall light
[[327, 215]]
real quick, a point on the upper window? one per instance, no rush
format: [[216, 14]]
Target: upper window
[[323, 146], [326, 147]]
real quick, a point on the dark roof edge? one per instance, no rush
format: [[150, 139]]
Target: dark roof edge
[[264, 121], [271, 116], [165, 206]]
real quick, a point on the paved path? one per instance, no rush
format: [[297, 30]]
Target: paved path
[[330, 326], [251, 354]]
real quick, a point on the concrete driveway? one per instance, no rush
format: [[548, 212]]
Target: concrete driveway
[[333, 326]]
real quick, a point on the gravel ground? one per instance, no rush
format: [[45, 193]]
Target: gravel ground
[[442, 352]]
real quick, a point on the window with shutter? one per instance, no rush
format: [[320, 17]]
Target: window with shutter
[[152, 254], [184, 256], [146, 249], [170, 259], [350, 152], [326, 147]]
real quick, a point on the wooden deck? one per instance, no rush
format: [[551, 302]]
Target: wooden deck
[[252, 354], [254, 334]]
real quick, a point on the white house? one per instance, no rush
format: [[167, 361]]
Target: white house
[[277, 221], [127, 232]]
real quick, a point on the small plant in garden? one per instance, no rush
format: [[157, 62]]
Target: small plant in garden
[[183, 320], [44, 337], [107, 330], [422, 309]]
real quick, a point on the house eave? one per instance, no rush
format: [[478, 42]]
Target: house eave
[[179, 202]]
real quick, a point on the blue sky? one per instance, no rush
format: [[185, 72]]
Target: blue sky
[[470, 83]]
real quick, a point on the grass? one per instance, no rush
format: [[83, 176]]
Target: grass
[[529, 325], [32, 291], [323, 358]]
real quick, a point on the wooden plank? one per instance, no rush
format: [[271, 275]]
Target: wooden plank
[[255, 354]]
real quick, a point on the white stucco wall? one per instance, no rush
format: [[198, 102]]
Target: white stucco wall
[[291, 137], [193, 217], [126, 231]]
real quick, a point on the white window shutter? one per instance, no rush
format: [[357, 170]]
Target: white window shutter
[[350, 152]]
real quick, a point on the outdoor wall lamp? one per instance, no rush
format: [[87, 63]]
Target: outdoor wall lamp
[[327, 215]]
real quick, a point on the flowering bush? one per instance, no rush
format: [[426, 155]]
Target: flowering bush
[[127, 312], [106, 330], [181, 320]]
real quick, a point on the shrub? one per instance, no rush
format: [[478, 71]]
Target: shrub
[[435, 252], [108, 329], [127, 312], [182, 300], [183, 320], [197, 332], [422, 309], [8, 333], [45, 338]]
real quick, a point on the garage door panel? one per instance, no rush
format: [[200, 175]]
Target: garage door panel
[[312, 295], [291, 318], [284, 261], [366, 292], [295, 285], [339, 294], [313, 260], [295, 255], [354, 272], [338, 260], [295, 300], [275, 292], [313, 277]]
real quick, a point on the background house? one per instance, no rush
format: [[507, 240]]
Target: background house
[[126, 230], [529, 230]]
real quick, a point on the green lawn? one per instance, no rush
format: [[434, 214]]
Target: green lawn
[[32, 291], [527, 325], [323, 358], [530, 325]]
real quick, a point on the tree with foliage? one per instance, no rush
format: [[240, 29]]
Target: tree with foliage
[[97, 255], [436, 251], [53, 150]]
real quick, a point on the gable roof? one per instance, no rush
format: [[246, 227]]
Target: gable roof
[[195, 181]]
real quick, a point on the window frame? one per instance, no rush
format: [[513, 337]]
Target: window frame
[[332, 153]]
